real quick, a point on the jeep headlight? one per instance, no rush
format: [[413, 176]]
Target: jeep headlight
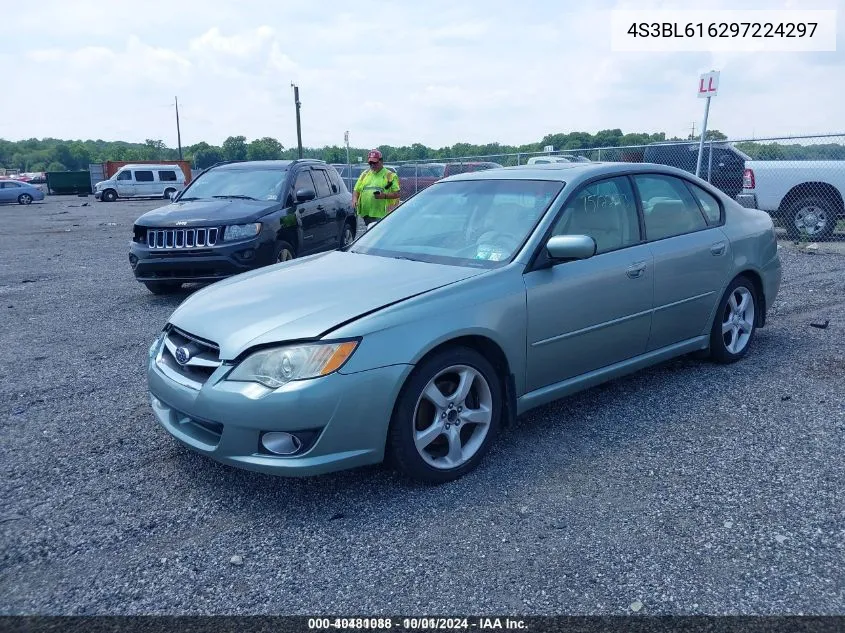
[[241, 231], [278, 366]]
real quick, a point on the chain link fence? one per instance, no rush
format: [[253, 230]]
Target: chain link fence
[[799, 180]]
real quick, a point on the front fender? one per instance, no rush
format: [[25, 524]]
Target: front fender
[[491, 305]]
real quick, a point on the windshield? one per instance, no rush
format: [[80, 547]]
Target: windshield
[[479, 223], [251, 184]]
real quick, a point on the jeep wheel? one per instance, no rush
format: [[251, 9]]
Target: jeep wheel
[[163, 287], [348, 235]]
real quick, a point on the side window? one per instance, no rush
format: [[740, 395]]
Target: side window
[[167, 176], [143, 176], [303, 181], [321, 180], [125, 175], [709, 204], [604, 210], [668, 207], [335, 181]]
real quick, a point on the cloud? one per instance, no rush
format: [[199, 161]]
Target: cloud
[[438, 73]]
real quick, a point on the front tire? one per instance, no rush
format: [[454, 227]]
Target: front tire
[[447, 416], [735, 323], [24, 198], [811, 217], [347, 236], [284, 252], [163, 287], [109, 195]]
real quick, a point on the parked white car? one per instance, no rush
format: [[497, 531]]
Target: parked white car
[[141, 181], [806, 194], [545, 160]]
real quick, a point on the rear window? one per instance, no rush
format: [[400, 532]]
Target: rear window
[[167, 176]]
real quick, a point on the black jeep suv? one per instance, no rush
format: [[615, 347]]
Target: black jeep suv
[[238, 216]]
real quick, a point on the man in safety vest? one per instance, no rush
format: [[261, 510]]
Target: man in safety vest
[[377, 190]]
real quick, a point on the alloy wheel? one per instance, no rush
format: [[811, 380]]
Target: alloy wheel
[[452, 417], [738, 320]]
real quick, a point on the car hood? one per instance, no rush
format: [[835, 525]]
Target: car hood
[[205, 212], [305, 298]]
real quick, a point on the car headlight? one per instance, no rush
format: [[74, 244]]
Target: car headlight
[[278, 366], [241, 231]]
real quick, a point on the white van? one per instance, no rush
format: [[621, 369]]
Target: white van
[[141, 181]]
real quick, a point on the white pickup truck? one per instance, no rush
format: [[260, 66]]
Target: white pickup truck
[[805, 194]]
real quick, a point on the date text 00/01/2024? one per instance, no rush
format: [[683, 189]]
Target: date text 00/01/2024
[[723, 29]]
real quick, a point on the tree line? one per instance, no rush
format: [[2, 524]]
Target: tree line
[[49, 154]]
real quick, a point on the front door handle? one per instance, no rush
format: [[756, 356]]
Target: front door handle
[[718, 248], [636, 270]]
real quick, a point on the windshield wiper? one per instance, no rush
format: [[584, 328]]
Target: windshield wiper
[[239, 197], [186, 199]]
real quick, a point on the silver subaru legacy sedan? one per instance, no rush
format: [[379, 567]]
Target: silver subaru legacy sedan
[[481, 297]]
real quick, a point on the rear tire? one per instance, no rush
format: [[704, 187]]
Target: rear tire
[[811, 217], [163, 287], [735, 323], [439, 432], [168, 193], [109, 195]]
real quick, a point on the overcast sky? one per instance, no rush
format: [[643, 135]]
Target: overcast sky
[[390, 72]]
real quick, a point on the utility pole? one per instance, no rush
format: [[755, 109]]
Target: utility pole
[[298, 124], [178, 131]]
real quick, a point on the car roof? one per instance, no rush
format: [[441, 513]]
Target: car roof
[[568, 172], [267, 164], [149, 166]]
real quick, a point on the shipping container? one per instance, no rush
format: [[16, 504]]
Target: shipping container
[[111, 167], [68, 182]]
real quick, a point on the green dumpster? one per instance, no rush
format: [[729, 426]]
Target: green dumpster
[[69, 182]]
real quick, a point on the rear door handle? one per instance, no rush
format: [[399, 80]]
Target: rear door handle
[[718, 248], [636, 270]]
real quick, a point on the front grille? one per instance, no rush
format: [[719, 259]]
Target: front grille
[[183, 238], [203, 358]]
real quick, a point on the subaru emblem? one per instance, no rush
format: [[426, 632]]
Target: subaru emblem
[[183, 355]]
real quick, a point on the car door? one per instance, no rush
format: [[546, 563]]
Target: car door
[[588, 314], [692, 258], [9, 191], [306, 212], [145, 184], [125, 185], [327, 228]]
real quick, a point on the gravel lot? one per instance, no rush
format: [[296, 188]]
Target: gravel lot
[[689, 488]]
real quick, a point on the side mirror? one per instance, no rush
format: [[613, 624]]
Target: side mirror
[[304, 195], [562, 247]]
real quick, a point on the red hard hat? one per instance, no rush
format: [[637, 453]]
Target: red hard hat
[[374, 155]]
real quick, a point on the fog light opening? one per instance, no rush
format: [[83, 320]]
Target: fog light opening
[[280, 443]]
